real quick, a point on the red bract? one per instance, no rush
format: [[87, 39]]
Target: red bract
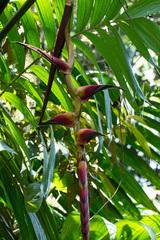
[[84, 203], [83, 136], [85, 92], [68, 119], [58, 63]]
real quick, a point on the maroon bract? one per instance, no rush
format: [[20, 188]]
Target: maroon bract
[[85, 92], [68, 119], [61, 65], [83, 136], [84, 204]]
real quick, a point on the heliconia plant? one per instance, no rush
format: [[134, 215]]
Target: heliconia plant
[[72, 119]]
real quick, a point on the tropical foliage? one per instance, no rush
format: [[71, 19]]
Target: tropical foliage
[[114, 45]]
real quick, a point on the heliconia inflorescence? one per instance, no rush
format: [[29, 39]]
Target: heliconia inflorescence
[[61, 65], [83, 136], [68, 119], [85, 92]]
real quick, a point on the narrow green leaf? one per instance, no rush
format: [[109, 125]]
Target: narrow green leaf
[[57, 88], [51, 160], [149, 135], [18, 103], [107, 109], [83, 14], [47, 220], [107, 53], [120, 54], [5, 71], [30, 27], [149, 32], [17, 200], [5, 147], [34, 92], [45, 166], [13, 35], [39, 231], [134, 189], [101, 131], [113, 10], [47, 20], [15, 132], [141, 139], [139, 165], [33, 196], [140, 9], [85, 49], [59, 9], [137, 40], [99, 10]]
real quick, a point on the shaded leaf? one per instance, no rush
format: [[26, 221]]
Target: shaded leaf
[[33, 196], [18, 103]]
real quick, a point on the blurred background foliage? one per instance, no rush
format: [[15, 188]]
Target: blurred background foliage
[[38, 174]]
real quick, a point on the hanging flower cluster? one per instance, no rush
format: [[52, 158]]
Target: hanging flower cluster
[[72, 119]]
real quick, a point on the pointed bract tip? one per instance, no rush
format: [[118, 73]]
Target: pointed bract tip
[[85, 92], [61, 65], [83, 136]]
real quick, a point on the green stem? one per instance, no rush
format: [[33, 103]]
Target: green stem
[[15, 18]]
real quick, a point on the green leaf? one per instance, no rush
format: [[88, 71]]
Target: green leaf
[[16, 134], [51, 160], [152, 221], [33, 196], [16, 198], [127, 229], [47, 221], [83, 14], [140, 9], [137, 40], [71, 222], [5, 147], [18, 103], [30, 28], [45, 166], [107, 52], [13, 35], [149, 33], [120, 54], [57, 88], [34, 92], [101, 131], [39, 230], [98, 227], [59, 9], [99, 10], [85, 49], [47, 20], [113, 10], [139, 165], [5, 70], [141, 139], [134, 189]]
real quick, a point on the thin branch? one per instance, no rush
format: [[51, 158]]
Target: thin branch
[[15, 18]]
